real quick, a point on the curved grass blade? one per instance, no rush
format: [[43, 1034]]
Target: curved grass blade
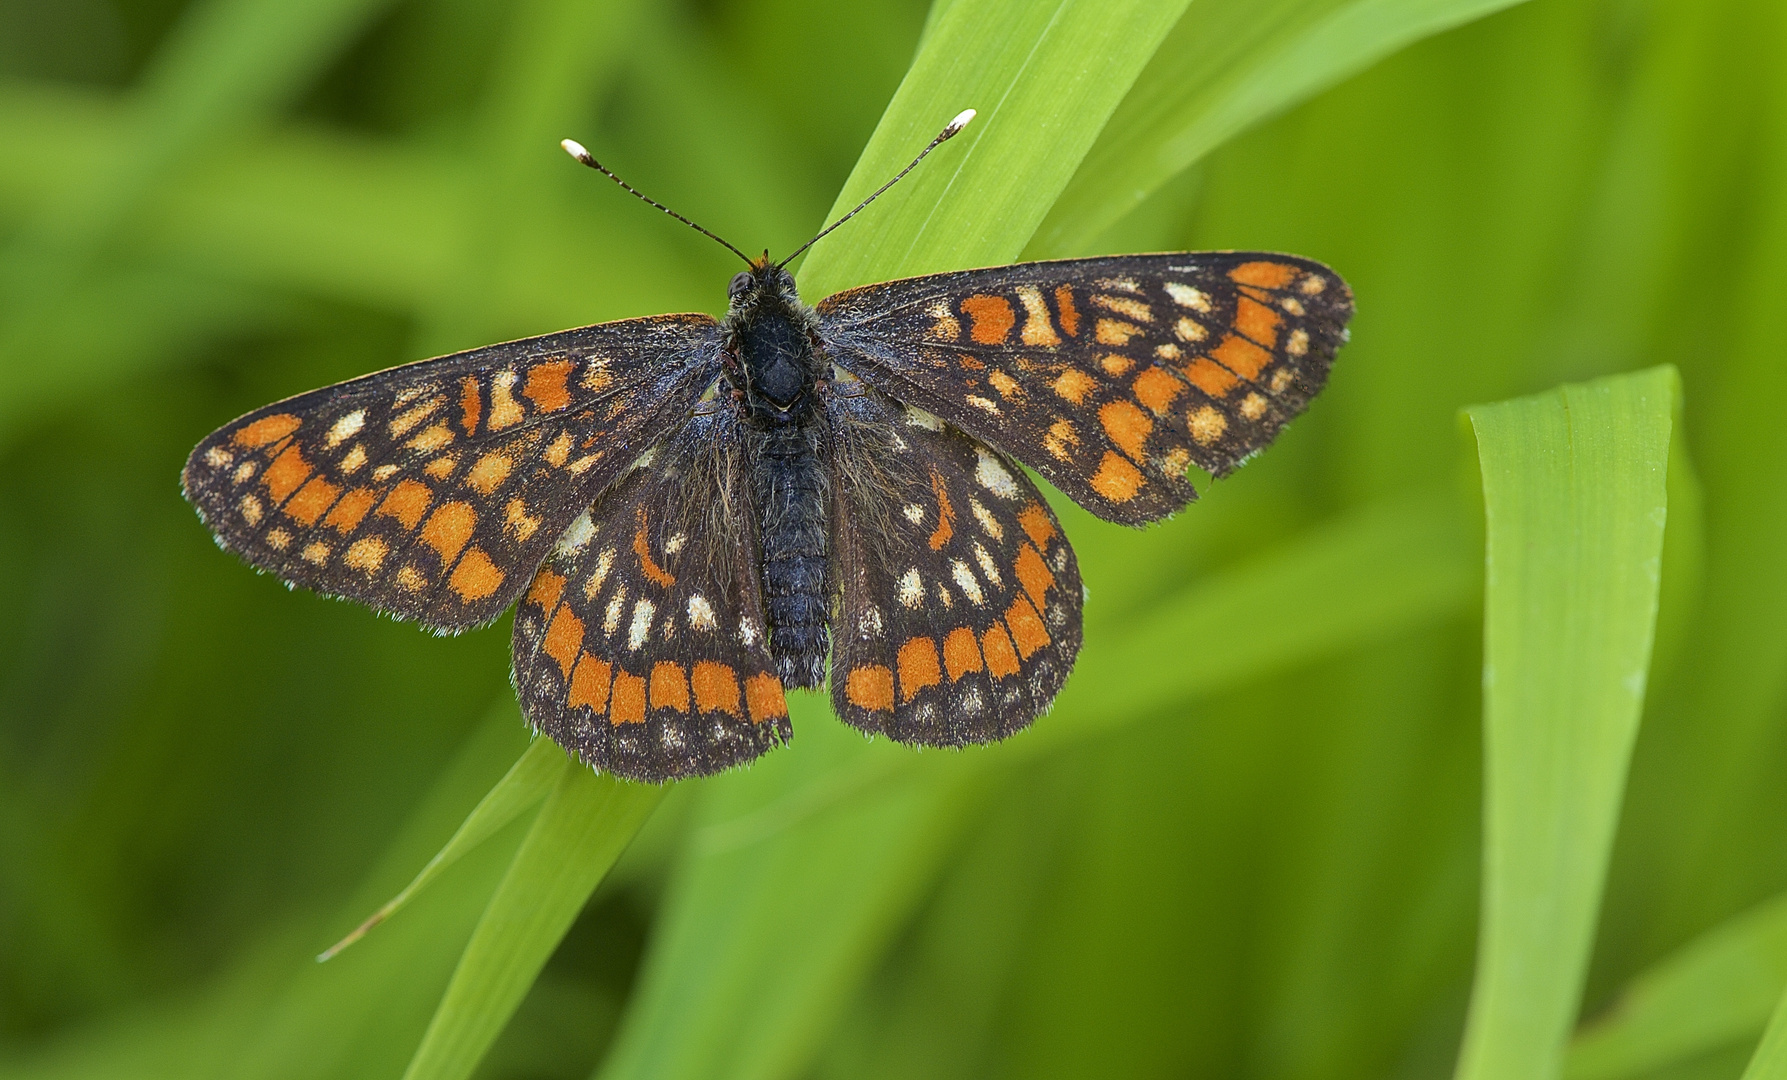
[[1716, 990], [1044, 78], [1228, 65], [1574, 485], [586, 823], [528, 781], [1770, 1060]]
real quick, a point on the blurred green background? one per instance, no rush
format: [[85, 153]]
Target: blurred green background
[[1267, 867]]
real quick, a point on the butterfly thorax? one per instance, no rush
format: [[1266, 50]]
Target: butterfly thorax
[[773, 362]]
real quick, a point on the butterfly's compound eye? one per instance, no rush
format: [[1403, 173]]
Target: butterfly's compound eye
[[741, 284]]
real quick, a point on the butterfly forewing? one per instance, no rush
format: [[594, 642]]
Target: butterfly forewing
[[958, 613], [1108, 376], [432, 491], [640, 646]]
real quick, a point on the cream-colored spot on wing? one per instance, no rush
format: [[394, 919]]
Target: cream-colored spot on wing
[[988, 523], [1312, 285], [1207, 425], [1190, 329], [345, 428], [987, 565], [617, 606], [983, 404], [918, 418], [643, 610], [945, 327], [505, 411], [1292, 305], [1039, 330], [604, 563], [279, 539], [1113, 332], [353, 459], [675, 543], [576, 536], [701, 613], [993, 476], [432, 438], [383, 472], [251, 509], [1253, 406], [245, 471], [1281, 379], [1186, 296], [1298, 343], [1123, 305], [316, 552], [1124, 284], [913, 512], [912, 589], [966, 581], [217, 457]]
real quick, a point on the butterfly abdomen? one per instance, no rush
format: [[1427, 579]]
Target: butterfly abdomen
[[791, 501]]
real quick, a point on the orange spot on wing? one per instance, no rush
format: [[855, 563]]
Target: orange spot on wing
[[918, 667], [407, 502], [764, 699], [992, 317], [1027, 630], [449, 528], [1267, 275], [1156, 389], [1034, 574], [1070, 315], [489, 472], [564, 639], [1037, 524], [627, 704], [870, 687], [311, 500], [961, 653], [476, 576], [1073, 385], [545, 590], [350, 509], [1241, 356], [367, 554], [1001, 659], [268, 429], [651, 569], [1127, 426], [715, 686], [946, 514], [670, 687], [471, 404], [287, 472], [1257, 321], [1210, 377], [589, 684], [1116, 479], [545, 385]]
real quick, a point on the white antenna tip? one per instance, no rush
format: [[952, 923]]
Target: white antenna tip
[[575, 149], [960, 122]]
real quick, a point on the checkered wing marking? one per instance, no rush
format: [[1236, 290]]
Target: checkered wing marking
[[431, 491], [958, 612], [1108, 376], [640, 645]]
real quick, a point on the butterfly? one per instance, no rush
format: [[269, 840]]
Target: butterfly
[[698, 515]]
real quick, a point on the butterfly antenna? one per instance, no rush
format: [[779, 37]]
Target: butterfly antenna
[[948, 132], [576, 150]]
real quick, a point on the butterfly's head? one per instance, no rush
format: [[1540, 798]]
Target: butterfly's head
[[764, 286]]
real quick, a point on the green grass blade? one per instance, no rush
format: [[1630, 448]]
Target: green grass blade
[[1716, 990], [533, 775], [1228, 65], [1574, 489], [1043, 78], [1770, 1060], [586, 823]]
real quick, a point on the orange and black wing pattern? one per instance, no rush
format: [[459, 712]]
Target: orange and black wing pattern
[[1108, 376], [641, 644], [958, 597], [432, 491]]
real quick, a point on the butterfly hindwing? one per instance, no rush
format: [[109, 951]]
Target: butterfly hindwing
[[1108, 376], [640, 646], [958, 612], [431, 491]]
